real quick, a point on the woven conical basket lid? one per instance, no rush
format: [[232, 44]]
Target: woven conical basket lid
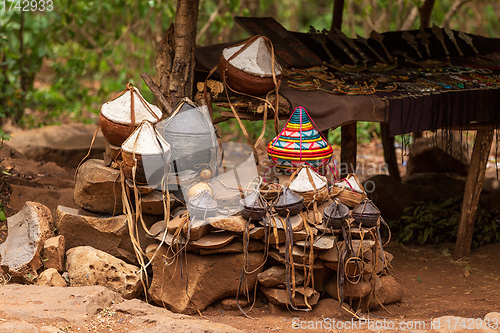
[[302, 182], [298, 143], [350, 184], [256, 59]]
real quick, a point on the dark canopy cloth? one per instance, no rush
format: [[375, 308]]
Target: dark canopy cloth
[[331, 111], [450, 110], [443, 109]]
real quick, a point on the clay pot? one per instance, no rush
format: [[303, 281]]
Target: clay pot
[[288, 202], [334, 215], [150, 151], [120, 116], [254, 207], [202, 205], [250, 71], [366, 214]]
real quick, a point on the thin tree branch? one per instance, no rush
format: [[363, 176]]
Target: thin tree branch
[[454, 9], [408, 22], [156, 91], [210, 20]]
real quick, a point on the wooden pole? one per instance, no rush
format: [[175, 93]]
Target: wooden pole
[[348, 133], [389, 151], [338, 8], [473, 187], [349, 148]]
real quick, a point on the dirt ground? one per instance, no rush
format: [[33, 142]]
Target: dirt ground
[[434, 284]]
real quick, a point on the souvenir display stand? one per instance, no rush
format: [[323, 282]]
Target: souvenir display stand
[[410, 81]]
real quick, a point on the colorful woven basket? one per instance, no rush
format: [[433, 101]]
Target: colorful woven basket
[[299, 143]]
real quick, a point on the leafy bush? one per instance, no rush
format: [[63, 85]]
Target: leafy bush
[[366, 131], [437, 222]]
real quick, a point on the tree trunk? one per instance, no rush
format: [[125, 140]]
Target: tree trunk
[[164, 64], [175, 61], [338, 8], [181, 80], [425, 13]]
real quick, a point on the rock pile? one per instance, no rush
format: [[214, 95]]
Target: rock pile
[[195, 262]]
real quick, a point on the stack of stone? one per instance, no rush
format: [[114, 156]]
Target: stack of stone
[[194, 262], [215, 260], [214, 249]]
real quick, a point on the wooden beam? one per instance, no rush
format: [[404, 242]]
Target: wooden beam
[[389, 151], [349, 148], [473, 187]]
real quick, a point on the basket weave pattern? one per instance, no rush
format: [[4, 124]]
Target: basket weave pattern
[[346, 195]]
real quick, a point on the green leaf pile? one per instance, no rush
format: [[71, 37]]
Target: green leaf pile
[[437, 222]]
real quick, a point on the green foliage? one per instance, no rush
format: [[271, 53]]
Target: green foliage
[[231, 131], [24, 45], [81, 54], [366, 131], [437, 222], [61, 65], [2, 213]]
